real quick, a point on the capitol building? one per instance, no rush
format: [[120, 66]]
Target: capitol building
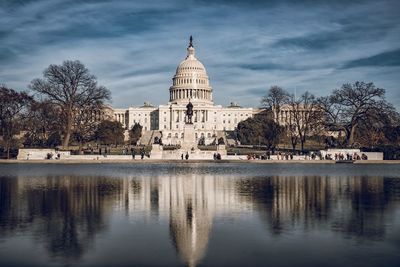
[[189, 84]]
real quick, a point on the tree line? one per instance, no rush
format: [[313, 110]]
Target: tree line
[[355, 115], [65, 106]]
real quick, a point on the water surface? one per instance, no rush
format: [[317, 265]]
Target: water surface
[[199, 215]]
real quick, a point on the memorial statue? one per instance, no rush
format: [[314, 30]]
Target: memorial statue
[[191, 41], [189, 112]]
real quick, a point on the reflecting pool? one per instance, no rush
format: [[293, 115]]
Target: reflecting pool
[[199, 215]]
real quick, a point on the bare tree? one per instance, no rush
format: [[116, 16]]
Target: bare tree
[[275, 98], [72, 88], [42, 122], [306, 116], [86, 122], [346, 107], [13, 107]]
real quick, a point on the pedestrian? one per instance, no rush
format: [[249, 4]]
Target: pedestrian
[[182, 156], [187, 156], [133, 152], [142, 153]]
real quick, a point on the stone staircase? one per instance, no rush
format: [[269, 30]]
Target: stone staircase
[[148, 137], [227, 139]]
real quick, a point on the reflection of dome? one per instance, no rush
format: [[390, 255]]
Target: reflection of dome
[[191, 80], [191, 211], [190, 233]]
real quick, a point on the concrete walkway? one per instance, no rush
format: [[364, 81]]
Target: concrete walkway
[[158, 161]]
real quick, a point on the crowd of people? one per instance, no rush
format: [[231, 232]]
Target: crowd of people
[[348, 156], [308, 156]]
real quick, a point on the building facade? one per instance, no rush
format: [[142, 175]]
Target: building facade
[[190, 83]]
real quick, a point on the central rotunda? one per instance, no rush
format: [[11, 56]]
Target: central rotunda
[[189, 84], [191, 81]]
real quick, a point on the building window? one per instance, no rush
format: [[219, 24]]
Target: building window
[[165, 126]]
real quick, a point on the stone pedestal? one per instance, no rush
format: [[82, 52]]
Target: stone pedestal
[[156, 151], [189, 139], [221, 149]]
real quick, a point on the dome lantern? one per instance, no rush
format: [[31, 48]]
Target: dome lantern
[[190, 49]]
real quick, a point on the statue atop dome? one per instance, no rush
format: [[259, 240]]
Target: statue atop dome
[[191, 41]]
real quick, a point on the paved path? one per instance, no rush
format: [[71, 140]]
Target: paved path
[[158, 161]]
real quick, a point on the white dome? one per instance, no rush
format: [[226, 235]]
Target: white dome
[[190, 81], [191, 63]]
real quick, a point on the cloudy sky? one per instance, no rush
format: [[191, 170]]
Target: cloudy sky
[[134, 47]]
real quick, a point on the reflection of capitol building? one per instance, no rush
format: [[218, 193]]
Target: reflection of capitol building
[[190, 204], [68, 211], [190, 82]]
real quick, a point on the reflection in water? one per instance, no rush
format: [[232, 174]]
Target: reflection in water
[[354, 206], [67, 212]]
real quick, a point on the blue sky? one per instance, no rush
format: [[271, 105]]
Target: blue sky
[[134, 47]]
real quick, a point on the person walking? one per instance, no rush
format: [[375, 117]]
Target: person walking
[[142, 153], [187, 156], [133, 152]]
